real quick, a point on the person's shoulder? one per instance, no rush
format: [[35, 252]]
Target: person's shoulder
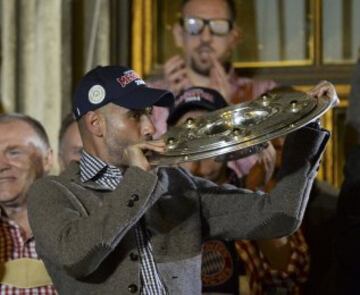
[[256, 82], [252, 88], [44, 185], [47, 183], [269, 84]]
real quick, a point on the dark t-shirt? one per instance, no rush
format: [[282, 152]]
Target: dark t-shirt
[[220, 267]]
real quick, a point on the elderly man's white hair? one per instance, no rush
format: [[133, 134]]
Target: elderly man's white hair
[[43, 142]]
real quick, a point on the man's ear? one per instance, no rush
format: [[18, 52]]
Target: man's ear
[[93, 122], [61, 162], [48, 161], [178, 35], [236, 36]]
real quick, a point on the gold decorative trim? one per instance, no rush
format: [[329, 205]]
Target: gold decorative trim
[[326, 171], [137, 36], [148, 36], [272, 64], [142, 36]]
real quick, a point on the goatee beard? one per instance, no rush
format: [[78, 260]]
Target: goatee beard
[[200, 71], [206, 72]]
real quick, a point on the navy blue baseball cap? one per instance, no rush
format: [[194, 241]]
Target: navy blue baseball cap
[[119, 85], [196, 98]]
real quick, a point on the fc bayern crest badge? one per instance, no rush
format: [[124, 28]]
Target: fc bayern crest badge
[[96, 94]]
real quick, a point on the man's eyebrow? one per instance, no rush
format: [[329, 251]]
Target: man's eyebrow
[[15, 147], [133, 111], [141, 111]]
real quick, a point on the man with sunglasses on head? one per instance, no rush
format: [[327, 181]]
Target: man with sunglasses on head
[[207, 33]]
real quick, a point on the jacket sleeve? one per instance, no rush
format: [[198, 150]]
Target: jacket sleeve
[[231, 213], [77, 241]]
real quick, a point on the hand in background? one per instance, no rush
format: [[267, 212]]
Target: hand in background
[[175, 74]]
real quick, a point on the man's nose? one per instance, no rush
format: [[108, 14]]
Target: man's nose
[[4, 163], [147, 126], [206, 35]]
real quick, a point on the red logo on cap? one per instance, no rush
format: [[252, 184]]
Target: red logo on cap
[[127, 78]]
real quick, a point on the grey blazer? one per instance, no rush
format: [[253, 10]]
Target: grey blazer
[[85, 234]]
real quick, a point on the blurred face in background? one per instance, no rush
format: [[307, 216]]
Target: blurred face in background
[[70, 146], [23, 159], [200, 43]]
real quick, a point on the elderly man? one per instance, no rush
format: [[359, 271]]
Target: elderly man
[[25, 156], [70, 143], [114, 225]]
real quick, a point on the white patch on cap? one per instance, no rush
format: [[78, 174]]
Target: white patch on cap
[[139, 82], [192, 98], [96, 94]]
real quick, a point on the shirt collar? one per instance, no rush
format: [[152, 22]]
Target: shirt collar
[[3, 214], [90, 166]]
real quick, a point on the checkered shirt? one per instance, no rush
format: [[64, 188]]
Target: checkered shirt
[[13, 245], [108, 176], [264, 279]]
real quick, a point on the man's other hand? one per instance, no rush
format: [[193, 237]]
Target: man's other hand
[[325, 88], [175, 74]]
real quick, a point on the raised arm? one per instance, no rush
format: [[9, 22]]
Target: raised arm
[[234, 215]]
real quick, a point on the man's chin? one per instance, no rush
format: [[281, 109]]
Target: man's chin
[[203, 70]]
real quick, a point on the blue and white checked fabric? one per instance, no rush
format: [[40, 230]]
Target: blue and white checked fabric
[[108, 176]]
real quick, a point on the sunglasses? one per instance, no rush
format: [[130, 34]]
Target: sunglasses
[[195, 25]]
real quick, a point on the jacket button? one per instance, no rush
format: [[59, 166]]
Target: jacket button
[[135, 197], [134, 257], [130, 203], [132, 288]]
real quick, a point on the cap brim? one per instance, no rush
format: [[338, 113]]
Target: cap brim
[[187, 107], [143, 97]]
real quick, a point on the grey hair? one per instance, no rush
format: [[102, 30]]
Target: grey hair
[[33, 123]]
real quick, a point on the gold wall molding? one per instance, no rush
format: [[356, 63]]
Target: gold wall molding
[[142, 35]]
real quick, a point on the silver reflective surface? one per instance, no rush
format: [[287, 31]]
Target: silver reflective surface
[[240, 127]]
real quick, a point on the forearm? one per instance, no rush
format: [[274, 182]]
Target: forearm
[[256, 216]]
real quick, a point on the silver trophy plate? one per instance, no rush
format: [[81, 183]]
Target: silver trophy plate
[[243, 127]]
